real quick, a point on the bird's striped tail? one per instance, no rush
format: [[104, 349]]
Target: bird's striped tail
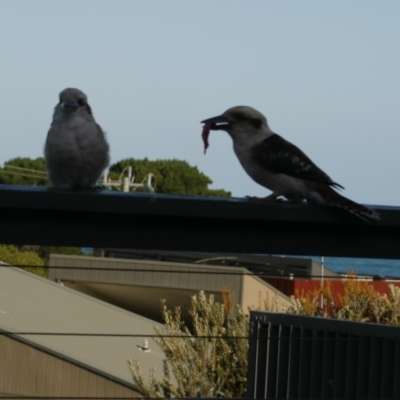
[[365, 213]]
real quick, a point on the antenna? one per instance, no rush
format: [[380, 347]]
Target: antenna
[[126, 181]]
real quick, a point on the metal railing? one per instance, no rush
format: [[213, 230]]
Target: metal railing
[[41, 216], [298, 357]]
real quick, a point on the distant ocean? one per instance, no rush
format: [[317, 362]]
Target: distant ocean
[[362, 266]]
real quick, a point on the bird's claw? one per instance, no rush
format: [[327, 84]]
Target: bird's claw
[[267, 199]]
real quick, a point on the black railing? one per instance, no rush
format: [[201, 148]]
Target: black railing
[[33, 215], [298, 357]]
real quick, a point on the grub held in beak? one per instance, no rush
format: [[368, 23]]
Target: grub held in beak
[[217, 123]]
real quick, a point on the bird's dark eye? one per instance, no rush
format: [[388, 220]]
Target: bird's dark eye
[[256, 123], [240, 117], [81, 102]]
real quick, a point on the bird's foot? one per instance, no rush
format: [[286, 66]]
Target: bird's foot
[[272, 197]]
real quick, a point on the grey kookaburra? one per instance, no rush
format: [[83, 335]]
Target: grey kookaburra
[[277, 164], [76, 150]]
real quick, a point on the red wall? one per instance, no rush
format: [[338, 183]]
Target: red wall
[[300, 287]]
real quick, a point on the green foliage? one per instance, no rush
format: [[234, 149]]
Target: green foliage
[[12, 174], [209, 361], [172, 176], [11, 255], [45, 251], [36, 258]]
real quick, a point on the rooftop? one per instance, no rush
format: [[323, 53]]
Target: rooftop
[[31, 304]]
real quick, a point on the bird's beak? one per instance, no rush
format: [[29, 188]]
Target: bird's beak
[[69, 105], [217, 123]]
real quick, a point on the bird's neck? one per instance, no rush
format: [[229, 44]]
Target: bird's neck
[[248, 139]]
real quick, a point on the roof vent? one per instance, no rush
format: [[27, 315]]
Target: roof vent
[[145, 348]]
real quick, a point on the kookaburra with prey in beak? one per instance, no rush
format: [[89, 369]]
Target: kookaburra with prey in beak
[[277, 164]]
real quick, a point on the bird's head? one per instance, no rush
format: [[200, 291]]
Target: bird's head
[[240, 122], [72, 100]]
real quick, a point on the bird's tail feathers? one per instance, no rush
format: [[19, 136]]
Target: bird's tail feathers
[[363, 212]]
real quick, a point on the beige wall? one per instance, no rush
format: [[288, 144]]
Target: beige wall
[[138, 285], [144, 273], [257, 295], [27, 371]]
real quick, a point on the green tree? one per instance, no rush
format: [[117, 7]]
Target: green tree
[[172, 176], [208, 361], [11, 255], [45, 251], [24, 171]]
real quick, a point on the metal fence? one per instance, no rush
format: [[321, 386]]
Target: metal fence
[[298, 357]]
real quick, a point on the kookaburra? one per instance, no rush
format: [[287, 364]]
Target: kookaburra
[[76, 150], [277, 164]]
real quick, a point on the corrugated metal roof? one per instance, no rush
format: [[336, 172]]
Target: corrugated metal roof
[[268, 264], [29, 303], [90, 270]]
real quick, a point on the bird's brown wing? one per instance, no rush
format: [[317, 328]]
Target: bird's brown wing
[[280, 156]]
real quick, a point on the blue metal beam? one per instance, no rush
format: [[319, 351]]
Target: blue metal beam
[[41, 216]]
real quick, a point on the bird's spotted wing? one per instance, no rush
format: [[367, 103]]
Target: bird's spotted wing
[[280, 156]]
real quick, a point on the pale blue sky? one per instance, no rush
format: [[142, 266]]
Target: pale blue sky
[[325, 73]]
